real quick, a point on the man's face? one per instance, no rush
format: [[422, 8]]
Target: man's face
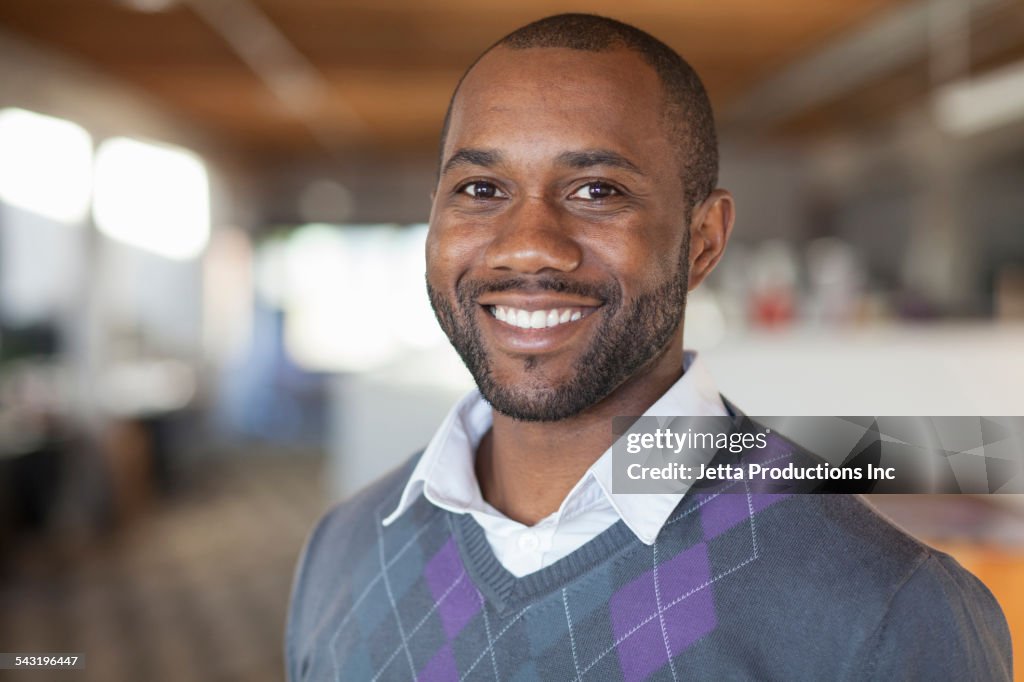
[[556, 258]]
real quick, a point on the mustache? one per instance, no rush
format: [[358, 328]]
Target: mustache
[[468, 291]]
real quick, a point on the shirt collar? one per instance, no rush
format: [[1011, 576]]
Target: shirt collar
[[694, 394], [445, 473]]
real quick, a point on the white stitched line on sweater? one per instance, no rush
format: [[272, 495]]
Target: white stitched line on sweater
[[706, 584], [697, 506], [647, 620], [487, 629], [499, 635], [376, 579], [700, 504], [572, 637], [370, 586], [391, 598], [750, 509], [661, 617], [418, 625]]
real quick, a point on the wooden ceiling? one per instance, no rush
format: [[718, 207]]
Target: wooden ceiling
[[385, 69]]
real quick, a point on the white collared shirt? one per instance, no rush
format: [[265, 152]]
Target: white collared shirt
[[445, 475]]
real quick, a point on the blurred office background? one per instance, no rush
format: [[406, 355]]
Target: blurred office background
[[212, 314]]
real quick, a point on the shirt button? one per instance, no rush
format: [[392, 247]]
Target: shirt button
[[528, 541]]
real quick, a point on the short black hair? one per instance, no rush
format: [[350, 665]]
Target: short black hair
[[687, 113]]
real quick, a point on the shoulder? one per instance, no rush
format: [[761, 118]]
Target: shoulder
[[908, 610], [942, 624], [842, 535], [337, 542], [352, 522]]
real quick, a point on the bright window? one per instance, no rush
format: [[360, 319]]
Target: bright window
[[354, 297], [45, 165], [153, 197]]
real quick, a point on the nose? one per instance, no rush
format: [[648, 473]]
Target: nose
[[533, 238]]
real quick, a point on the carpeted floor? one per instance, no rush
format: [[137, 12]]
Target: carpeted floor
[[195, 590]]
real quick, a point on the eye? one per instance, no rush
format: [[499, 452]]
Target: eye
[[478, 189], [595, 191]]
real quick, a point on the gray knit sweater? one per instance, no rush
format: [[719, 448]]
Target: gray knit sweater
[[738, 586]]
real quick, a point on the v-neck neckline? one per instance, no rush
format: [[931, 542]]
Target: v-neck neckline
[[505, 591]]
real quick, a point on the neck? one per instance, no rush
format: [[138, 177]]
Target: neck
[[526, 469]]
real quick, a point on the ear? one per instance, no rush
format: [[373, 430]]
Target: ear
[[709, 233]]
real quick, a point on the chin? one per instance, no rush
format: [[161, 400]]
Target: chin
[[536, 400]]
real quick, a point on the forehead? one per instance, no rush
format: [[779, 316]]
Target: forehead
[[558, 97]]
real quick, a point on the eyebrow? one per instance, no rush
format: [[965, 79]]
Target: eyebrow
[[598, 157], [486, 158]]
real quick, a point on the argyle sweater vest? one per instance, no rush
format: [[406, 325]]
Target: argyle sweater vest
[[738, 586]]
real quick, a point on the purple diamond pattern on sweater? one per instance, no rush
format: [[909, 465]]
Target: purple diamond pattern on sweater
[[729, 509], [440, 668], [641, 645], [453, 590]]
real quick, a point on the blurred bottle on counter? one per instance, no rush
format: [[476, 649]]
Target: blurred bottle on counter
[[774, 278]]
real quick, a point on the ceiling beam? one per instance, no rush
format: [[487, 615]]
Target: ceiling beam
[[287, 73], [901, 37]]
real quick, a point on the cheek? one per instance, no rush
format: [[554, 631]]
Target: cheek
[[442, 257], [666, 258], [434, 257], [641, 262], [450, 253]]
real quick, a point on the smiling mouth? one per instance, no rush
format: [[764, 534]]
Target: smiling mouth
[[537, 319]]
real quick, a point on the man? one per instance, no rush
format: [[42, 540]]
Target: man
[[575, 207]]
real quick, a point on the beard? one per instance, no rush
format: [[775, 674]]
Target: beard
[[631, 335]]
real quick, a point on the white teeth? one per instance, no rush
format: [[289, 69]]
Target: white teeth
[[537, 319]]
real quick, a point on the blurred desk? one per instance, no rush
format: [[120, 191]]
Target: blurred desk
[[377, 420], [897, 369]]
